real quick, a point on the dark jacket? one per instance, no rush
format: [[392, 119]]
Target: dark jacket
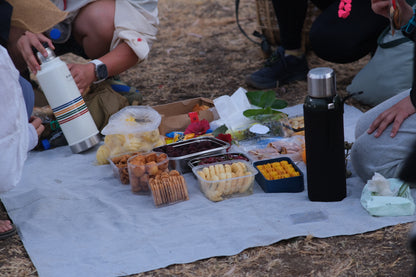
[[5, 17]]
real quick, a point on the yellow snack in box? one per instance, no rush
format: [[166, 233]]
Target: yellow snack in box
[[277, 170]]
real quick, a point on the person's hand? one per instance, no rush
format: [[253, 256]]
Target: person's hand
[[37, 123], [382, 7], [25, 43], [83, 74], [396, 115]]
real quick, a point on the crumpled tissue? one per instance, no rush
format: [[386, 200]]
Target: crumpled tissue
[[387, 197]]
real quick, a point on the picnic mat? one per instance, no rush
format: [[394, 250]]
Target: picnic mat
[[76, 219]]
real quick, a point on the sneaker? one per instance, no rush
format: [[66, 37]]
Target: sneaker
[[279, 70]]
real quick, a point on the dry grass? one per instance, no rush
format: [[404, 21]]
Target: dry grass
[[201, 52]]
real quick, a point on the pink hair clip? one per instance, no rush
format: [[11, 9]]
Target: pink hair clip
[[344, 8]]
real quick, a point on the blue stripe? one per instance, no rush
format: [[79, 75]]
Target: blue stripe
[[67, 104]]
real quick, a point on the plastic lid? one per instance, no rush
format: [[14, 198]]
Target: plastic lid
[[55, 34], [45, 143]]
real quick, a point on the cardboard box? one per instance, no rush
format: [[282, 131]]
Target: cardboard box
[[175, 115]]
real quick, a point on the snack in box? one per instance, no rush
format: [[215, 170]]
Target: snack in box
[[180, 153], [279, 175], [119, 166], [219, 181], [209, 159], [142, 167], [168, 188]]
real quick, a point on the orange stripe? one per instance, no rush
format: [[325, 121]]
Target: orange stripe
[[76, 105]]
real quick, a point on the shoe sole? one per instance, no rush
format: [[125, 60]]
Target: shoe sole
[[297, 77], [250, 83]]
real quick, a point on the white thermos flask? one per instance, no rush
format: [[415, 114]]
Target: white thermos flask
[[67, 103]]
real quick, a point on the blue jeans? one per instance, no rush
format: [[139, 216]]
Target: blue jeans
[[28, 95]]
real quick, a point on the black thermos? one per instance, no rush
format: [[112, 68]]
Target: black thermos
[[324, 137]]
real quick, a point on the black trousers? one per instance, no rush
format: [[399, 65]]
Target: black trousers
[[332, 38]]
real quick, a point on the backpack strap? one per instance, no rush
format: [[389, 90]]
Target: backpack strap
[[391, 43], [264, 44]]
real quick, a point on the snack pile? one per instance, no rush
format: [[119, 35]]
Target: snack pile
[[286, 147], [277, 170], [184, 149], [279, 175], [143, 167], [218, 158], [222, 180], [126, 143], [297, 125], [168, 188], [119, 165], [132, 129]]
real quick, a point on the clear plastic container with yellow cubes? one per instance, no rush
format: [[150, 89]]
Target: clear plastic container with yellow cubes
[[132, 129], [219, 181]]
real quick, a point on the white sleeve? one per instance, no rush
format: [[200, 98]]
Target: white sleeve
[[136, 24], [33, 137], [14, 134]]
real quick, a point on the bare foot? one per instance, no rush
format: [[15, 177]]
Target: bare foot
[[5, 225]]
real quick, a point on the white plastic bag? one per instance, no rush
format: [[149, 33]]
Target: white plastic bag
[[132, 129], [133, 119], [387, 205]]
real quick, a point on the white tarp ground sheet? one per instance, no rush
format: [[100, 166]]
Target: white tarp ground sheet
[[76, 219]]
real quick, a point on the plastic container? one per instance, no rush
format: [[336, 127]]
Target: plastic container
[[290, 184], [168, 188], [180, 153], [209, 159], [119, 166], [142, 167], [233, 178]]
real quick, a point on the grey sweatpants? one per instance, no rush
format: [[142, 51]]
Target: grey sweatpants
[[384, 154]]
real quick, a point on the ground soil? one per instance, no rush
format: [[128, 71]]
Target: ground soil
[[201, 52]]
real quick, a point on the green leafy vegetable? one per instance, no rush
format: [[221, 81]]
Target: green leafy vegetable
[[265, 99], [220, 130]]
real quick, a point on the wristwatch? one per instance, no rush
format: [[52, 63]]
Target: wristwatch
[[100, 70]]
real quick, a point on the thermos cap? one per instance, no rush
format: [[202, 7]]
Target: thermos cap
[[51, 54], [321, 82]]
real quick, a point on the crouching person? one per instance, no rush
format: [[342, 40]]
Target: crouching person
[[384, 137], [386, 133], [18, 131], [408, 174]]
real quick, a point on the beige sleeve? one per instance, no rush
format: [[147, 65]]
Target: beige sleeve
[[136, 27]]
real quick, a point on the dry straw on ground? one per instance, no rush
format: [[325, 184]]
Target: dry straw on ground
[[201, 52]]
